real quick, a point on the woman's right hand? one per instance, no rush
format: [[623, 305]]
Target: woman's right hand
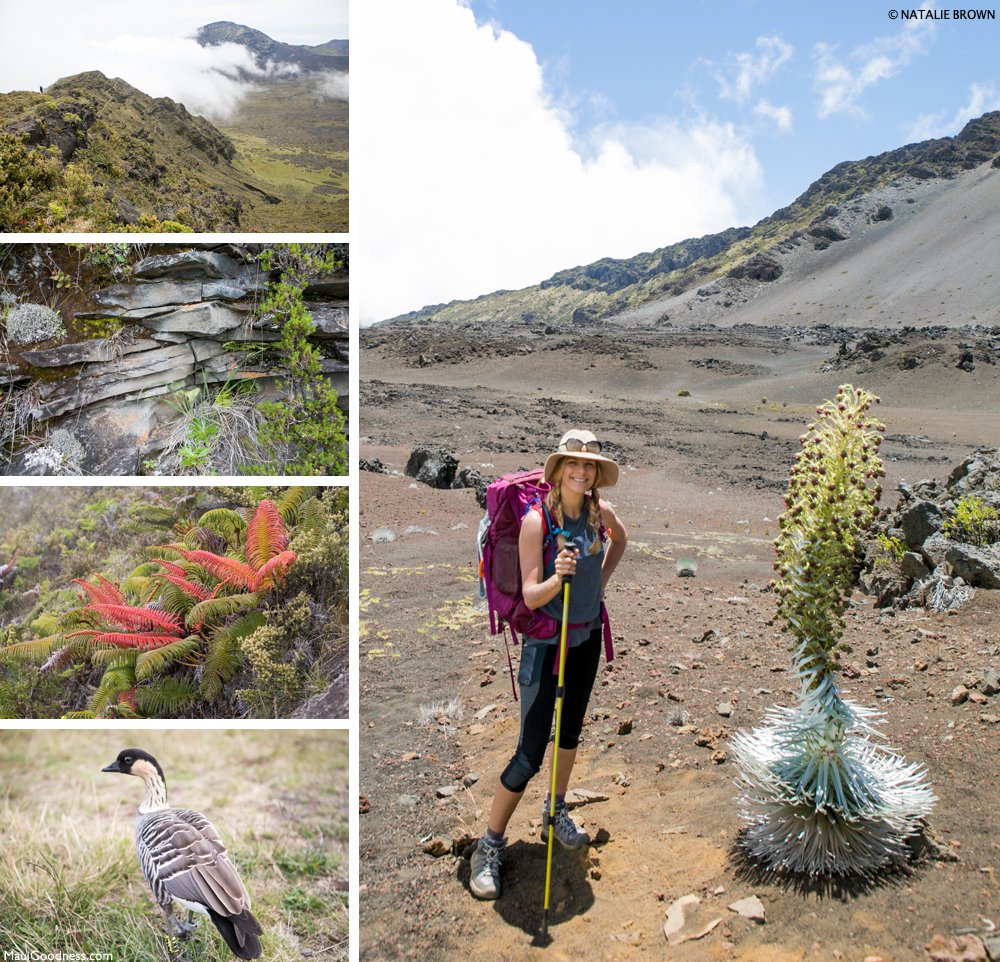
[[566, 562]]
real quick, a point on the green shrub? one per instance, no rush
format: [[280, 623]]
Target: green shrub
[[304, 432], [889, 551], [972, 522], [25, 178]]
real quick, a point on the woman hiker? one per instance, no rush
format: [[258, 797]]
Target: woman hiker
[[581, 522]]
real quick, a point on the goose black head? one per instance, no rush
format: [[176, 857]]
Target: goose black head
[[134, 761]]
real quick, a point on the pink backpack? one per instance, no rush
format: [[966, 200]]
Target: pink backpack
[[508, 500]]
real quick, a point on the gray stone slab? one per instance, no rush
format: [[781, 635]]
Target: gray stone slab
[[141, 313], [330, 321], [337, 285], [158, 368], [251, 278], [222, 291], [83, 352], [150, 294], [205, 319], [190, 263]]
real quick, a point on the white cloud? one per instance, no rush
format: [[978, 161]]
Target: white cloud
[[781, 116], [467, 178], [748, 71], [840, 86], [205, 79], [982, 98], [150, 46], [334, 86]]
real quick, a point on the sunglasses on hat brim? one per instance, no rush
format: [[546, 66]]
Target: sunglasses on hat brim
[[573, 445]]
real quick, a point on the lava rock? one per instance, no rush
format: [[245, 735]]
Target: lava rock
[[434, 467], [919, 522]]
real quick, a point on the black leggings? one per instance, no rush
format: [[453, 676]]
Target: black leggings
[[538, 699]]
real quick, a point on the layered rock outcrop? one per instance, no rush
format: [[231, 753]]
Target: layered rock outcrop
[[184, 320]]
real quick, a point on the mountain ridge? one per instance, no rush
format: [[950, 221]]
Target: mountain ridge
[[612, 286], [332, 55], [95, 153]]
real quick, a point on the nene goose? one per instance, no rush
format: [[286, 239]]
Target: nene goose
[[184, 861]]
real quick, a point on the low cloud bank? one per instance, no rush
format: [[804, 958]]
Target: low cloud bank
[[334, 86]]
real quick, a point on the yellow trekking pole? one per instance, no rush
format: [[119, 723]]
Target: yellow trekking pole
[[560, 692]]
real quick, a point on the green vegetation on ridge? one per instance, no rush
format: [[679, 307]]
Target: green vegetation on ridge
[[95, 154]]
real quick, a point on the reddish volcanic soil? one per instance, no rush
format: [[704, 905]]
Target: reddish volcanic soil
[[702, 480]]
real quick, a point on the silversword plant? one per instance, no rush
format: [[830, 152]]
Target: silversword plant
[[820, 795]]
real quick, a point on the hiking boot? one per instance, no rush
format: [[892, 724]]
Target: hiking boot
[[484, 878], [567, 833]]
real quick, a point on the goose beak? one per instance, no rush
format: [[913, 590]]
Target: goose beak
[[113, 767]]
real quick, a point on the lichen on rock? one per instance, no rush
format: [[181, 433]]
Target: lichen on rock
[[31, 323]]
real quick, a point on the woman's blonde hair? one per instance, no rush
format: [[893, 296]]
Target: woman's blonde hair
[[553, 501]]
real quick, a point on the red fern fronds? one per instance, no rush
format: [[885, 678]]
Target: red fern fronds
[[274, 569], [228, 570], [266, 535], [188, 587], [105, 593], [136, 619], [174, 569], [134, 639]]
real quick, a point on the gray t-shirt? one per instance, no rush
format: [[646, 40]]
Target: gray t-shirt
[[585, 588]]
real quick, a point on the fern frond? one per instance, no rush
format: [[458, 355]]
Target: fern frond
[[206, 539], [164, 552], [140, 588], [227, 523], [166, 697], [171, 567], [196, 591], [115, 680], [152, 662], [104, 592], [59, 659], [266, 535], [215, 609], [134, 639], [36, 650], [147, 568], [312, 518], [79, 714], [291, 501], [223, 656], [137, 619], [273, 570], [174, 600], [228, 570], [114, 657], [155, 515]]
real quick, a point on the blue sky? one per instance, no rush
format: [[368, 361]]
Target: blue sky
[[516, 138], [764, 64]]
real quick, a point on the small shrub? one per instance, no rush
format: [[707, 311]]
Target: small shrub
[[973, 522], [305, 432], [889, 551]]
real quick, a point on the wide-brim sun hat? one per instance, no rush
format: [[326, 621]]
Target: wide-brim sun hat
[[582, 440]]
